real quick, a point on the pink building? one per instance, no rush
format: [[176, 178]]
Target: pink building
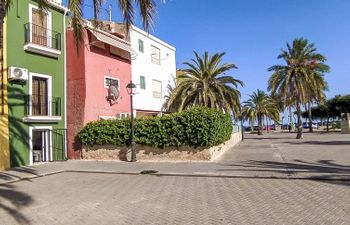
[[97, 75]]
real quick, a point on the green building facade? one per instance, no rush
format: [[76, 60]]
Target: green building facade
[[36, 82]]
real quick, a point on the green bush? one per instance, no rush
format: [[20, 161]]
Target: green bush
[[193, 127]]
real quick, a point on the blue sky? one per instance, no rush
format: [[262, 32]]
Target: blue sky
[[252, 32]]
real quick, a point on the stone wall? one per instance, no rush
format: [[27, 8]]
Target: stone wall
[[147, 153]]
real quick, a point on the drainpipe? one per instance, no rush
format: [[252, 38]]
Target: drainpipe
[[65, 81]]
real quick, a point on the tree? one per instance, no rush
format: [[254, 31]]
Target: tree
[[147, 10], [316, 95], [258, 106], [297, 79], [127, 7], [205, 84]]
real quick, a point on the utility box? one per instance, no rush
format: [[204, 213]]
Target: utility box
[[345, 123]]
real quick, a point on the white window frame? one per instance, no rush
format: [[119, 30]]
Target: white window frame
[[49, 23], [155, 60], [112, 78], [161, 92], [49, 90], [43, 50], [49, 148], [49, 117]]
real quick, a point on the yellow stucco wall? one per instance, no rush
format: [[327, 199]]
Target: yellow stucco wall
[[4, 129]]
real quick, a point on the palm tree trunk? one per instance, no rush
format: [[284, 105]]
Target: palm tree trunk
[[328, 124], [299, 127], [260, 128], [290, 119], [310, 117]]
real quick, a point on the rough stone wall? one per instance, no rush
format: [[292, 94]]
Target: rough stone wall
[[147, 153]]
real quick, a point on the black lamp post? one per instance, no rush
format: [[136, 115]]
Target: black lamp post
[[131, 88]]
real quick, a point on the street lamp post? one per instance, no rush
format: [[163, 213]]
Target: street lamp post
[[131, 88]]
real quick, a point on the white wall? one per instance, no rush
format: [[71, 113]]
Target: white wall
[[142, 66]]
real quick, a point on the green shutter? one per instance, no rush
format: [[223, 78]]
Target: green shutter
[[140, 45], [142, 82]]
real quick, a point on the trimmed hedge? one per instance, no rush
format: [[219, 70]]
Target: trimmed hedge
[[194, 127]]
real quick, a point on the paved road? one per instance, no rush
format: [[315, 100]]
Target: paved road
[[79, 192], [318, 155], [90, 198]]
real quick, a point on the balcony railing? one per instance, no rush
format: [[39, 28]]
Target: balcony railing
[[42, 105], [42, 36]]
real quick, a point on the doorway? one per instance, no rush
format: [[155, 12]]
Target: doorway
[[41, 145]]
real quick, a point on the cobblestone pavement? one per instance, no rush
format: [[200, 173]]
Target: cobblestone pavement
[[318, 155], [94, 198]]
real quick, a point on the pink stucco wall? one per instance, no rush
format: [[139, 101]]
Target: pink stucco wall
[[98, 64], [86, 93]]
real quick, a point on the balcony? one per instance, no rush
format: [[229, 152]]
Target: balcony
[[42, 109], [42, 41]]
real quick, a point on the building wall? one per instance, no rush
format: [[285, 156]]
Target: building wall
[[76, 94], [18, 15], [142, 66], [86, 90], [98, 64]]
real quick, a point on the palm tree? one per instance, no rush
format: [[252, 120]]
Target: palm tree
[[127, 7], [146, 8], [169, 90], [297, 78], [258, 106], [316, 96], [205, 84]]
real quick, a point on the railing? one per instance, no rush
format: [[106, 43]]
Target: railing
[[37, 105], [42, 36]]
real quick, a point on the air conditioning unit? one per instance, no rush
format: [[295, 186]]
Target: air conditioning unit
[[17, 73]]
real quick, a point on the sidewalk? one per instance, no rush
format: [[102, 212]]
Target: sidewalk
[[322, 157]]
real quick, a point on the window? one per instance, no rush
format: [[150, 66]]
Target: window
[[141, 46], [142, 83], [40, 106], [111, 81], [157, 89], [155, 55], [40, 27]]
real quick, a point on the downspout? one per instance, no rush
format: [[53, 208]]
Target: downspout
[[65, 81]]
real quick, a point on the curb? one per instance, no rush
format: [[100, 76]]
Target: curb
[[177, 175]]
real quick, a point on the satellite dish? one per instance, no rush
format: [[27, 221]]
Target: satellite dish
[[113, 93], [17, 72]]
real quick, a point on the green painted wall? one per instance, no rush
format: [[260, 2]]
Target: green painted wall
[[17, 17]]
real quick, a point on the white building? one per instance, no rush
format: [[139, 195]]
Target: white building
[[153, 68]]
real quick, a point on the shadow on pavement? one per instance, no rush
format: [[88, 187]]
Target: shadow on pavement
[[11, 202], [322, 170], [320, 143], [8, 176]]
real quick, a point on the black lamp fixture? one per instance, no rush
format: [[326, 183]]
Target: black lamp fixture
[[131, 88]]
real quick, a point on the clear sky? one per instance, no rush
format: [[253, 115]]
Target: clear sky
[[252, 32]]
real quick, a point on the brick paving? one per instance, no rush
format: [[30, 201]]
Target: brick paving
[[311, 186], [91, 198]]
